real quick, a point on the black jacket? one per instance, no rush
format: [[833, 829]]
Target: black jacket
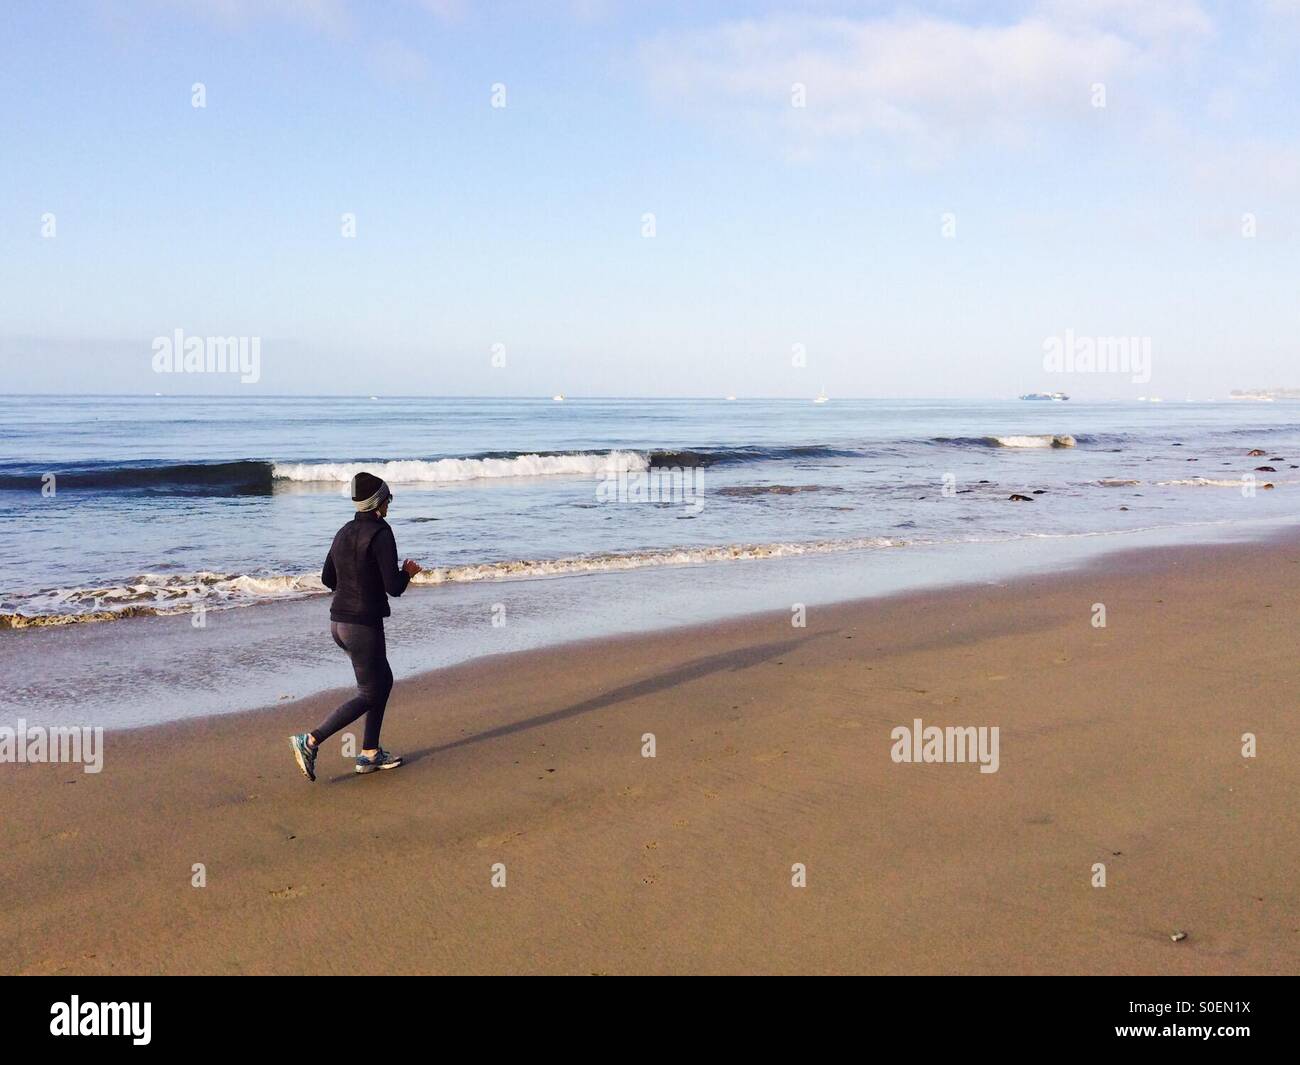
[[361, 570]]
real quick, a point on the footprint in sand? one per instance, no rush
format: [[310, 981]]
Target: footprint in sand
[[286, 893]]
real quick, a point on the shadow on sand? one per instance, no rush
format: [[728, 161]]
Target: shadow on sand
[[728, 661]]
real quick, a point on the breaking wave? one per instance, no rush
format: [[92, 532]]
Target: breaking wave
[[1037, 440], [260, 477], [418, 471], [154, 594]]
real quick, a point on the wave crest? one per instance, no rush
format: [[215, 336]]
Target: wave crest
[[1014, 441], [421, 471], [154, 594]]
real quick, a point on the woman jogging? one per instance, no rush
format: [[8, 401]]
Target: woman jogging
[[361, 570]]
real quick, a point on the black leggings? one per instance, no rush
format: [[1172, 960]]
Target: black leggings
[[365, 646]]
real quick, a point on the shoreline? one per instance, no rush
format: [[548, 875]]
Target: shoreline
[[1119, 745], [1146, 561], [246, 659]]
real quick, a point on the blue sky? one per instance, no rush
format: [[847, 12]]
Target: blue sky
[[775, 225]]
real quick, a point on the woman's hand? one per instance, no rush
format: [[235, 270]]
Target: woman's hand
[[410, 567]]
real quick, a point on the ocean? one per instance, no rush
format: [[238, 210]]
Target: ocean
[[160, 556]]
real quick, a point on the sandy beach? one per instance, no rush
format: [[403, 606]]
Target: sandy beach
[[1119, 745]]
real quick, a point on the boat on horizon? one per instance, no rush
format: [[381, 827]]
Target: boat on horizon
[[1055, 397]]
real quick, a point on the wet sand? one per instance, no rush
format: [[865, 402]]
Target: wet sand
[[1119, 745]]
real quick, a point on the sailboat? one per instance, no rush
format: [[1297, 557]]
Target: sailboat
[[822, 397]]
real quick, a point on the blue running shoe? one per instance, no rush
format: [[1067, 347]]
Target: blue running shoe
[[381, 760], [305, 754]]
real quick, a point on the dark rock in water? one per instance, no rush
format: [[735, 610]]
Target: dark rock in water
[[1265, 469], [1040, 491], [983, 482], [1256, 453], [1278, 458], [1123, 508], [1267, 484], [1193, 460], [1018, 498], [1175, 445]]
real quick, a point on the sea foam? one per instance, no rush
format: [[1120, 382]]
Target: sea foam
[[152, 594], [1043, 440], [420, 471]]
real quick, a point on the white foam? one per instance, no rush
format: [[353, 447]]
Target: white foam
[[641, 559], [1044, 440], [172, 593], [419, 471], [1214, 482], [156, 593]]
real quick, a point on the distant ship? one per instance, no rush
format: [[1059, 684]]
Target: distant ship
[[1055, 397], [822, 397], [558, 397]]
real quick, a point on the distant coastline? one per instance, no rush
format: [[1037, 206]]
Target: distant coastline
[[1265, 393]]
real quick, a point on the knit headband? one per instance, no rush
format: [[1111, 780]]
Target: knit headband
[[376, 501]]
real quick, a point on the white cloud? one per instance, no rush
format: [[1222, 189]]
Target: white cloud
[[929, 82], [1157, 22]]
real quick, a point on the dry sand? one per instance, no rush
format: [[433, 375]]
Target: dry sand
[[1119, 745]]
